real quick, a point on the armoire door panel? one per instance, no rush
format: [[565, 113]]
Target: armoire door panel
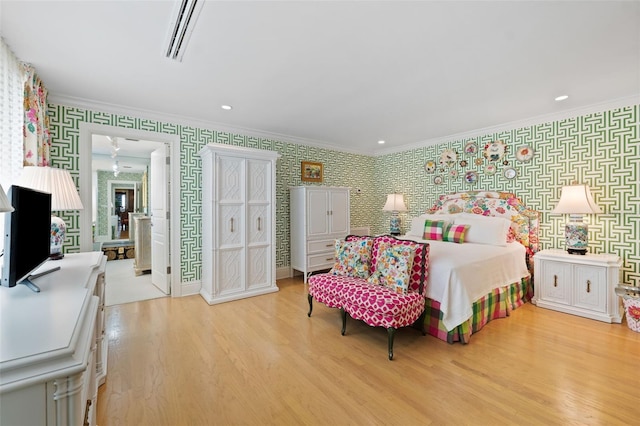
[[230, 270], [230, 179], [258, 181], [318, 212], [230, 225], [259, 228], [258, 267]]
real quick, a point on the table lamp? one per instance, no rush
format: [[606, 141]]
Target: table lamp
[[394, 204], [576, 200], [64, 196], [5, 204]]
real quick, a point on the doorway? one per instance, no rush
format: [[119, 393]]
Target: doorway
[[129, 200]]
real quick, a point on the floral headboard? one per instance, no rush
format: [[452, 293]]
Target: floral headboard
[[524, 221]]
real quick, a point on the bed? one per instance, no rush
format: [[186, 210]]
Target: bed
[[489, 274]]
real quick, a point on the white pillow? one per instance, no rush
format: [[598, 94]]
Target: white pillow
[[484, 229], [417, 223], [417, 227]]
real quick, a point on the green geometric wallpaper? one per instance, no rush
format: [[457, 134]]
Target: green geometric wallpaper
[[340, 169], [104, 177], [600, 149]]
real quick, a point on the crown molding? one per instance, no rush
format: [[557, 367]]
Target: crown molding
[[540, 119], [221, 127], [187, 121]]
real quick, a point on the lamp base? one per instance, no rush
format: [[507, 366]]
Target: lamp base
[[577, 237], [58, 233], [394, 224], [577, 251]]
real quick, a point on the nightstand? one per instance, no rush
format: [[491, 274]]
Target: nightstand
[[581, 285]]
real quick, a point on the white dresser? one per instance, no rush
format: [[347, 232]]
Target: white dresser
[[53, 353], [578, 284], [319, 216], [142, 239], [238, 222]]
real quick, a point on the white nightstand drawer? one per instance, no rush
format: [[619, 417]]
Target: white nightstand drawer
[[321, 246]]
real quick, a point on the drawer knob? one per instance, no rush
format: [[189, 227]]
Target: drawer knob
[[588, 286], [555, 281]]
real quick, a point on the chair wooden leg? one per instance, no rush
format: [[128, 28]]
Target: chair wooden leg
[[344, 320], [391, 332], [310, 298]]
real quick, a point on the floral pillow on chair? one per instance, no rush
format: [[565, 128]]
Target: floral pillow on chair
[[353, 258], [393, 267]]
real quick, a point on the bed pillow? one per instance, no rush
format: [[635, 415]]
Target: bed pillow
[[353, 258], [433, 229], [455, 233], [393, 267], [417, 227], [484, 229]]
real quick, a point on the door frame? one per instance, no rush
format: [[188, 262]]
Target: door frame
[[87, 130]]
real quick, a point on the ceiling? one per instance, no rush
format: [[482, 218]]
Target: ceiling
[[337, 74]]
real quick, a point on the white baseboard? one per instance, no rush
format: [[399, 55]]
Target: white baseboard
[[283, 272], [190, 288]]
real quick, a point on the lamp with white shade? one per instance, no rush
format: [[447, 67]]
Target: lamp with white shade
[[5, 204], [395, 203], [576, 200], [64, 196]]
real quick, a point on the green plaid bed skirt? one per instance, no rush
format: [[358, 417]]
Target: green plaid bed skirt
[[497, 304]]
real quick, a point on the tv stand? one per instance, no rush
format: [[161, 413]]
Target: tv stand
[[27, 281], [53, 350]]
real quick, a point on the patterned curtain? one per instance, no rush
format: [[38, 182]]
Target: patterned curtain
[[37, 139]]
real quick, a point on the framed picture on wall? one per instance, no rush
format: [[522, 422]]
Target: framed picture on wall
[[311, 172]]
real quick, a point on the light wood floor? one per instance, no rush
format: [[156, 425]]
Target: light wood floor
[[262, 361]]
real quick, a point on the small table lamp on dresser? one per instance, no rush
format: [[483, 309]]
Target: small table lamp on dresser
[[577, 201], [394, 204], [64, 196], [5, 204]]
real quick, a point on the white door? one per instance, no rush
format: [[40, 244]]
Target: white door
[[158, 188]]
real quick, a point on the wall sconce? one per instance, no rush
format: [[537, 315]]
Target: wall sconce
[[576, 200], [394, 204]]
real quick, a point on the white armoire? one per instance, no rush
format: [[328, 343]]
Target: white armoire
[[319, 216], [238, 222]]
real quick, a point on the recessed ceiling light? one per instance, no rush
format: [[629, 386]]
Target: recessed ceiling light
[[561, 98], [380, 142], [226, 107]]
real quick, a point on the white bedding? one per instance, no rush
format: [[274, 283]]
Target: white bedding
[[460, 274]]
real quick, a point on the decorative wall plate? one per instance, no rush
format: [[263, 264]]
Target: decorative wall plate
[[471, 177], [430, 166], [490, 169], [453, 173], [479, 161], [463, 163], [495, 150], [510, 173], [448, 158], [524, 153], [437, 180], [470, 148]]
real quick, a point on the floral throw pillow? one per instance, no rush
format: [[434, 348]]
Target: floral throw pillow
[[393, 267], [433, 229], [353, 258]]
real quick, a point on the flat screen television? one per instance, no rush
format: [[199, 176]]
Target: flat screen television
[[27, 235]]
